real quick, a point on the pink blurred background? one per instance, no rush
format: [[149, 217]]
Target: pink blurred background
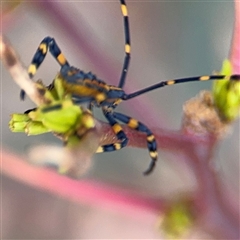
[[169, 40]]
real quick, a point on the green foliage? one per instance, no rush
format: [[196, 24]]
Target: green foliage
[[59, 114], [178, 219], [227, 95]]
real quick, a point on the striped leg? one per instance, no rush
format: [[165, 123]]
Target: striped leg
[[117, 129], [127, 44], [151, 142], [235, 77], [47, 43]]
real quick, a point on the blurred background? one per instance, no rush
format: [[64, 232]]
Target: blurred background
[[169, 40]]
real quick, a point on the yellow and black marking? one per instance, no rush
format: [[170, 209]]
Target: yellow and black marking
[[151, 141], [86, 92], [61, 59], [87, 88], [32, 69], [235, 77], [43, 47], [117, 129], [127, 44], [95, 83], [133, 123], [110, 147], [170, 82], [47, 43]]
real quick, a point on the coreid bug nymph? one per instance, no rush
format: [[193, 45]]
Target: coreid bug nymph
[[87, 88]]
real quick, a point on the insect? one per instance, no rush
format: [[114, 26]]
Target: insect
[[87, 88], [51, 115]]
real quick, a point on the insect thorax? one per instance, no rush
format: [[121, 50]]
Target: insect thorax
[[86, 85]]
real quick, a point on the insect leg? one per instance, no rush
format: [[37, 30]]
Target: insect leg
[[151, 142], [117, 129], [50, 44]]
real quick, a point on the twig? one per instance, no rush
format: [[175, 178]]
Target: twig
[[18, 71]]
